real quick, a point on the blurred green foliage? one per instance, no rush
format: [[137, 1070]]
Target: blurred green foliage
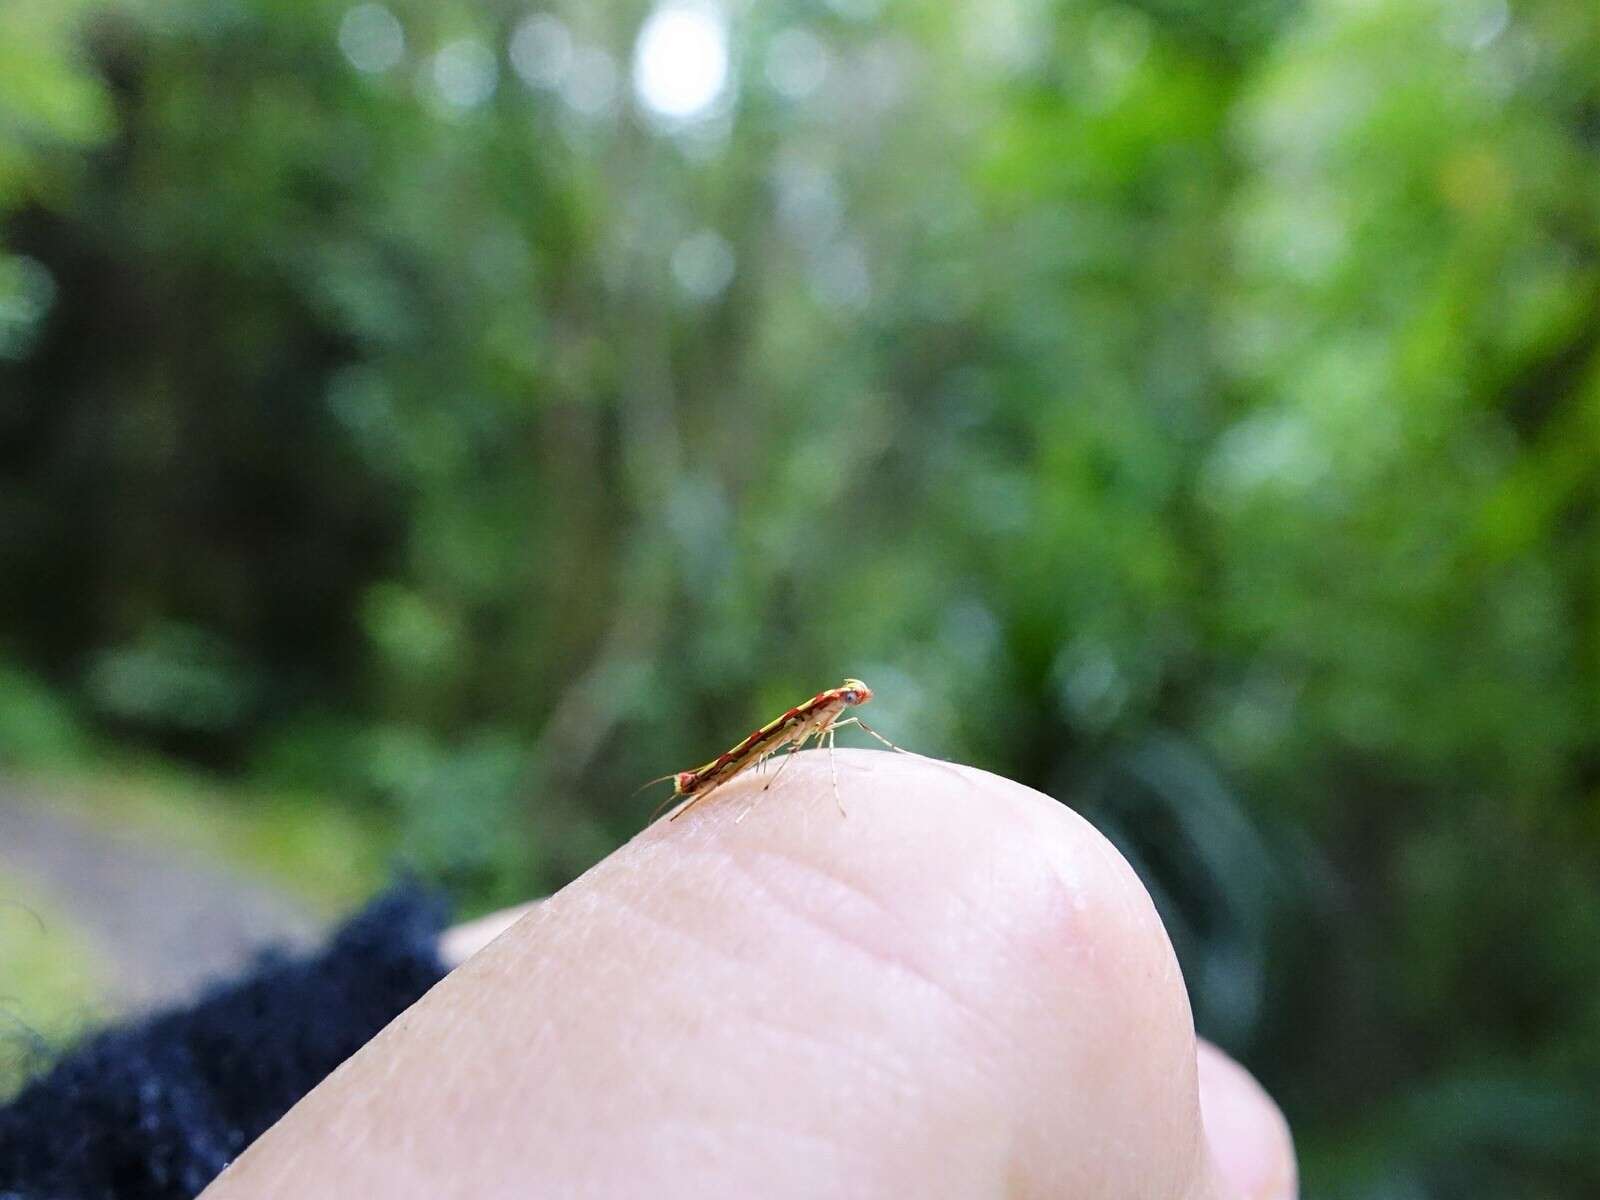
[[1188, 408]]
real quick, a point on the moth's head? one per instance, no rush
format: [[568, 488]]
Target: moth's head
[[681, 782], [855, 692]]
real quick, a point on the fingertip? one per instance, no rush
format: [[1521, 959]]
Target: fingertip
[[1018, 905], [1250, 1143]]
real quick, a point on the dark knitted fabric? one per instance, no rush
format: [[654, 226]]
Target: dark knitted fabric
[[157, 1108]]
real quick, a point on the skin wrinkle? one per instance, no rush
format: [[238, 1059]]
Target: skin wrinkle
[[760, 1014], [717, 1127], [890, 1071], [745, 863], [633, 909], [814, 1142], [904, 970], [808, 873], [978, 1015], [854, 940], [629, 909], [754, 883], [853, 1171]]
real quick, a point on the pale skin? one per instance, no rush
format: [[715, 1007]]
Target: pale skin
[[961, 991]]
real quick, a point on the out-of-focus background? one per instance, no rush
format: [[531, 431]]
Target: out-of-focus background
[[422, 421]]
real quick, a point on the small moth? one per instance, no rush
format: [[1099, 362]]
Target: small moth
[[818, 718]]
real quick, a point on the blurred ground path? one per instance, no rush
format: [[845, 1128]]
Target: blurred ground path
[[160, 921]]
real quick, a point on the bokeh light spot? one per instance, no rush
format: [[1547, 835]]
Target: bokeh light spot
[[1091, 686], [680, 64], [809, 205], [465, 72], [541, 51], [591, 82], [703, 264], [840, 277], [27, 292], [371, 38], [797, 63]]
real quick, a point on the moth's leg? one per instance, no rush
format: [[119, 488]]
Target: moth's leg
[[833, 769], [874, 733], [677, 798], [799, 742], [793, 750], [692, 801]]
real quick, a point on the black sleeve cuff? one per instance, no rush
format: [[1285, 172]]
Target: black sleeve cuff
[[157, 1108]]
